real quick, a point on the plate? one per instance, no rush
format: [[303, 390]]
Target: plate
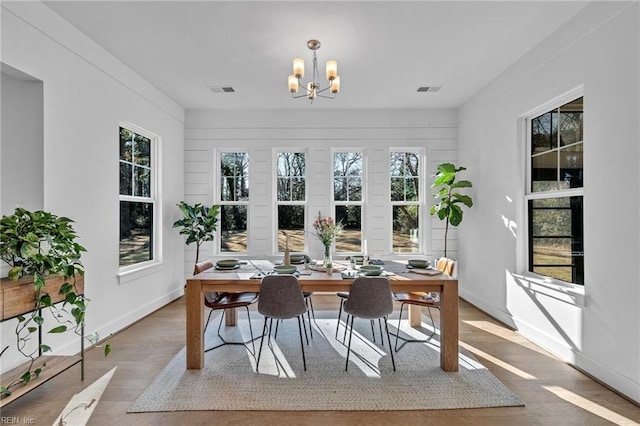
[[226, 268], [418, 263], [285, 269], [227, 263], [370, 270]]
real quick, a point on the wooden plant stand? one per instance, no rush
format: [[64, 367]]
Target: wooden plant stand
[[18, 298]]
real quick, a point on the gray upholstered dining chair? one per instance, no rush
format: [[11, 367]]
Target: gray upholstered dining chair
[[281, 298], [369, 298], [424, 300], [220, 301]]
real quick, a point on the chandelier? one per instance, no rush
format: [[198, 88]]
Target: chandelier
[[312, 89]]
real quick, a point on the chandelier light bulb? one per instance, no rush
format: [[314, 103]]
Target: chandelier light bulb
[[332, 70], [293, 83], [298, 67], [335, 84]]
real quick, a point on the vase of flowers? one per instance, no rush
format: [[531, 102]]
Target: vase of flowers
[[326, 230]]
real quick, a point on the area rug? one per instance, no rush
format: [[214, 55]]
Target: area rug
[[229, 380]]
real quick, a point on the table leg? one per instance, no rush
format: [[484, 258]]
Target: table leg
[[195, 325], [449, 327], [414, 315], [231, 316]]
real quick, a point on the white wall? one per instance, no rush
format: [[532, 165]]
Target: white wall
[[22, 137], [317, 132], [87, 93], [595, 327]]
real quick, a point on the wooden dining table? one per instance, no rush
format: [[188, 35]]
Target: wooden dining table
[[247, 278]]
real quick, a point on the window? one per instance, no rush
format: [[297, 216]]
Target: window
[[404, 168], [137, 196], [291, 196], [555, 193], [234, 201], [347, 197]]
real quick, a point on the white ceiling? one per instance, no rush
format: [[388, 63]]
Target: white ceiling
[[385, 49]]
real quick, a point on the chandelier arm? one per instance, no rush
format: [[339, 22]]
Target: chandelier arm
[[325, 96]]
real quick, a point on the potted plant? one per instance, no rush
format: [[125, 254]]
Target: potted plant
[[41, 250], [450, 201], [199, 224]]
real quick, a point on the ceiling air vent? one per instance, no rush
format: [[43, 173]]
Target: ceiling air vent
[[429, 88], [222, 89]]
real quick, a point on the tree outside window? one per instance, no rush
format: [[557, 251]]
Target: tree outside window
[[404, 168], [348, 181], [291, 199], [234, 201]]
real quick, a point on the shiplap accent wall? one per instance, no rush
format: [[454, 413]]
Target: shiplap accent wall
[[317, 132]]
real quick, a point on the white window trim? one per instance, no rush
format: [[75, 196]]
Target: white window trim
[[421, 203], [133, 272], [362, 203], [274, 195], [217, 195], [523, 258]]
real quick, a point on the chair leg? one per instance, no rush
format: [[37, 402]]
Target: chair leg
[[304, 361], [373, 333], [405, 340], [208, 318], [251, 331], [307, 302], [344, 336], [224, 311], [264, 330], [386, 326], [380, 325], [339, 317], [346, 366]]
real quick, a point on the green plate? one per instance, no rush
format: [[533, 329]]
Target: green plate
[[284, 269], [227, 263], [418, 263], [370, 270]]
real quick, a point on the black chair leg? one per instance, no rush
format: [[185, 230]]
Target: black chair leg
[[386, 326], [264, 330], [373, 333], [307, 302], [380, 326], [346, 366], [251, 331], [405, 340], [304, 361], [339, 317]]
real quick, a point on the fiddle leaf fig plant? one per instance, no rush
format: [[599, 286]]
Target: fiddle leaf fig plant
[[199, 224], [450, 201], [40, 244]]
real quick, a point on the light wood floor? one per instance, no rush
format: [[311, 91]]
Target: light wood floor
[[554, 393]]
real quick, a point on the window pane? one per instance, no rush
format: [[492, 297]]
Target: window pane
[[571, 166], [350, 240], [355, 188], [340, 189], [126, 144], [544, 172], [544, 132], [125, 178], [405, 229], [396, 164], [397, 189], [284, 189], [142, 180], [142, 151], [233, 229], [291, 222], [234, 176], [411, 189], [556, 238], [136, 230], [411, 164], [571, 122], [298, 189]]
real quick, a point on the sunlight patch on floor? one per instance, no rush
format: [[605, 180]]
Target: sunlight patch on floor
[[590, 406], [498, 362], [81, 406]]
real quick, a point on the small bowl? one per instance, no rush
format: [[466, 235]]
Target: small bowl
[[418, 263], [370, 270], [284, 269], [227, 263], [297, 258]]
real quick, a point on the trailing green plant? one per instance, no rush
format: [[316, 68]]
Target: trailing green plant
[[41, 244], [199, 224], [448, 207]]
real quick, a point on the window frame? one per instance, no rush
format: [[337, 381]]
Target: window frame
[[154, 199], [304, 203], [218, 197], [530, 195], [421, 202], [361, 203]]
